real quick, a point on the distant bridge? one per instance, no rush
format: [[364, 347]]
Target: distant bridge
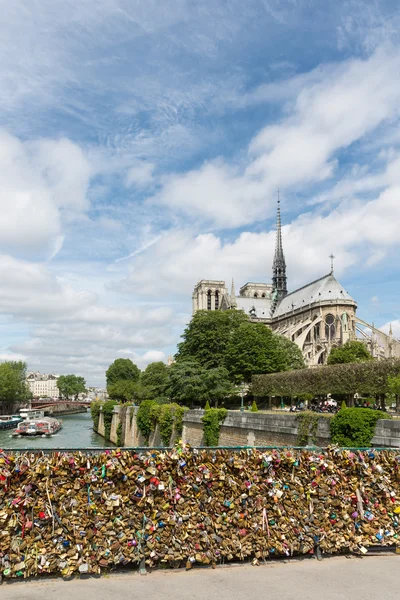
[[61, 406]]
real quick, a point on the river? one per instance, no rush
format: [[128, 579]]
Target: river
[[76, 432]]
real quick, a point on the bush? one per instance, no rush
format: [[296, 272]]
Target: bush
[[207, 406], [212, 421], [355, 427], [119, 435], [307, 425], [95, 413], [169, 417], [366, 378], [254, 407], [145, 418], [343, 406], [108, 409]]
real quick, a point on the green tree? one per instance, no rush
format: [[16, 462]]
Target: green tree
[[122, 368], [123, 380], [13, 387], [187, 382], [350, 352], [71, 386], [124, 390], [293, 355], [190, 383], [155, 380], [253, 349], [394, 387], [206, 338], [218, 385]]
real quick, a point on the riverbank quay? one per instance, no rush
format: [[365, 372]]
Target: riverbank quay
[[70, 512], [334, 579], [239, 429]]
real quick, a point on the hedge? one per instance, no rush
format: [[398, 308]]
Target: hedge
[[355, 427], [365, 378]]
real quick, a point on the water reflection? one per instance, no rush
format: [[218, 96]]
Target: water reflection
[[76, 432]]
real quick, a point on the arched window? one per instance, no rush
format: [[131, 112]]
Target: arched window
[[209, 300], [330, 327], [216, 300], [345, 321], [263, 295], [255, 295], [316, 332]]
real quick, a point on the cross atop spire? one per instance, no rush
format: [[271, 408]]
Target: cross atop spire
[[332, 257]]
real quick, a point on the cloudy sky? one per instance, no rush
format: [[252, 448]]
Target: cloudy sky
[[141, 147]]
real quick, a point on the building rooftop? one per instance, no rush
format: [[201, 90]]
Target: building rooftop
[[321, 290], [261, 306]]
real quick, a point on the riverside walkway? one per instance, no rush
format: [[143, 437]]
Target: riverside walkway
[[368, 578]]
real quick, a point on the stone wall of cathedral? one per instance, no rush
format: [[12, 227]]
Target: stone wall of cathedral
[[318, 328]]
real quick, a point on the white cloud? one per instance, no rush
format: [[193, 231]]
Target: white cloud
[[356, 232], [69, 328], [38, 180], [326, 116], [140, 174], [6, 356]]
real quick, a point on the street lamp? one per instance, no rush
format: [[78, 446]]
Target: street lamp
[[242, 391]]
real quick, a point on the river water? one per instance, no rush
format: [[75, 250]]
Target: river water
[[77, 432]]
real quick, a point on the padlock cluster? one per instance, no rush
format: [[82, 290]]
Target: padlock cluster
[[71, 512]]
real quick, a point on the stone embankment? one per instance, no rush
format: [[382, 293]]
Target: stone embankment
[[241, 429]]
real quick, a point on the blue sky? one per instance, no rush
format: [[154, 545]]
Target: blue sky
[[141, 147]]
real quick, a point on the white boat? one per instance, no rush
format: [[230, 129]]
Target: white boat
[[31, 413], [44, 426]]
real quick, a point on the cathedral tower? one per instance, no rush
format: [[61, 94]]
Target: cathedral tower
[[279, 266]]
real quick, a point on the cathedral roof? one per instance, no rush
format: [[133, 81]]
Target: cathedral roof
[[262, 306], [321, 290]]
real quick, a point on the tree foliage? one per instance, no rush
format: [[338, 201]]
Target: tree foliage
[[70, 386], [350, 352], [124, 390], [293, 356], [253, 348], [367, 378], [13, 387], [227, 339], [190, 383], [122, 368], [394, 387], [206, 338], [122, 378], [154, 380], [355, 427]]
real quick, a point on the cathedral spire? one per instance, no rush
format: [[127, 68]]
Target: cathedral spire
[[233, 295], [279, 264]]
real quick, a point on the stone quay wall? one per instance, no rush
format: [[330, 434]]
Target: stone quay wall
[[130, 434], [242, 429]]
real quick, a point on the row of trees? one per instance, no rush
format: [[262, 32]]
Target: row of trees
[[14, 388], [372, 377], [220, 349]]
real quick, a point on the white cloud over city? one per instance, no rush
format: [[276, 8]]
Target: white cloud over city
[[141, 150]]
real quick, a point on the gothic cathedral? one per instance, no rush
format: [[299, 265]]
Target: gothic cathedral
[[317, 316]]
